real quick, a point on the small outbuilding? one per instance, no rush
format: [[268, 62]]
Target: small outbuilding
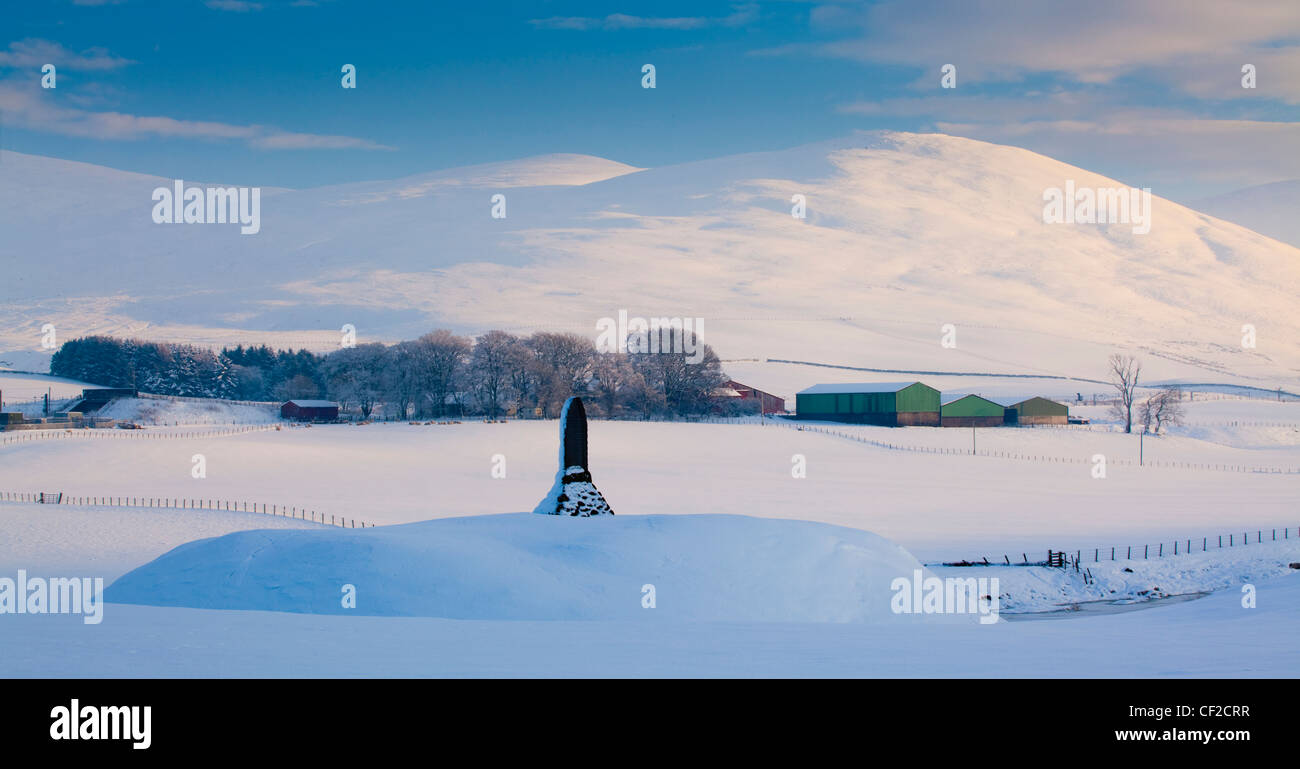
[[971, 411], [1037, 411], [767, 402], [310, 411]]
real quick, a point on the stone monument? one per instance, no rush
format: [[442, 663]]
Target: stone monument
[[573, 493]]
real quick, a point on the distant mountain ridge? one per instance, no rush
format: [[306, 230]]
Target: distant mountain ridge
[[904, 234]]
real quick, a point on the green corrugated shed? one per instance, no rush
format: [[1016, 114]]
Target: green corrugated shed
[[918, 397], [1041, 407], [972, 406], [871, 403], [971, 411]]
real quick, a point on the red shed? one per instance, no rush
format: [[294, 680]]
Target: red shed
[[310, 411], [769, 403]]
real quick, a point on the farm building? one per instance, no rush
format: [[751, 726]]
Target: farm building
[[93, 399], [971, 411], [768, 403], [893, 404], [310, 411], [1036, 411]]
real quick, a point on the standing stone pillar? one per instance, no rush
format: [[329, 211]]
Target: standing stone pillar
[[573, 493]]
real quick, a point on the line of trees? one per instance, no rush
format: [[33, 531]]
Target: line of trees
[[255, 373], [436, 375], [1160, 409], [443, 374]]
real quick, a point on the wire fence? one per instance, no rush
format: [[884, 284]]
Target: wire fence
[[1142, 552], [195, 399], [179, 503], [1160, 463], [61, 432]]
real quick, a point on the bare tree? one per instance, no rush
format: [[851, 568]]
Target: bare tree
[[613, 373], [642, 395], [447, 355], [524, 381], [403, 377], [1162, 408], [1124, 373], [490, 366], [562, 365], [355, 375], [684, 387]]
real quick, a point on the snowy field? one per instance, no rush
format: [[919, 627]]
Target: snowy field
[[934, 506], [19, 388], [939, 506], [1210, 637], [156, 411]]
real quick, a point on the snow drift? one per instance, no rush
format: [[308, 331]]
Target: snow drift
[[538, 567], [151, 411]]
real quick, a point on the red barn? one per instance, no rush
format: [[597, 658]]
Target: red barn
[[310, 411], [771, 404]]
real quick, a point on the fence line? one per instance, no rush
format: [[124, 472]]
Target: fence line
[[197, 399], [817, 428], [1142, 552], [179, 503], [1232, 468], [20, 436]]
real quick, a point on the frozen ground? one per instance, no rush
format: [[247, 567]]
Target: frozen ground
[[1210, 637], [103, 541], [940, 507], [20, 388], [937, 506]]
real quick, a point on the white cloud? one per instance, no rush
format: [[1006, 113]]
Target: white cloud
[[238, 6], [27, 106], [34, 53], [740, 15], [1179, 157], [1194, 45]]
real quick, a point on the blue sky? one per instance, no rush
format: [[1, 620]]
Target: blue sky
[[250, 92]]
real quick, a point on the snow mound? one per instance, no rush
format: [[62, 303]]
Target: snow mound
[[150, 411], [541, 567]]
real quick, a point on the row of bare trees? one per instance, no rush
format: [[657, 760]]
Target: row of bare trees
[[442, 373], [1160, 409]]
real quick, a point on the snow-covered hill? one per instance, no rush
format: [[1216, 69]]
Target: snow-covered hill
[[1270, 209], [904, 233], [717, 568]]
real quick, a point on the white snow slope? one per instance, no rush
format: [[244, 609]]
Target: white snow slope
[[161, 411], [526, 566], [1269, 209], [904, 233]]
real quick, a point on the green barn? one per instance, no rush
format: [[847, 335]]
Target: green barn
[[1036, 411], [971, 411], [893, 404]]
